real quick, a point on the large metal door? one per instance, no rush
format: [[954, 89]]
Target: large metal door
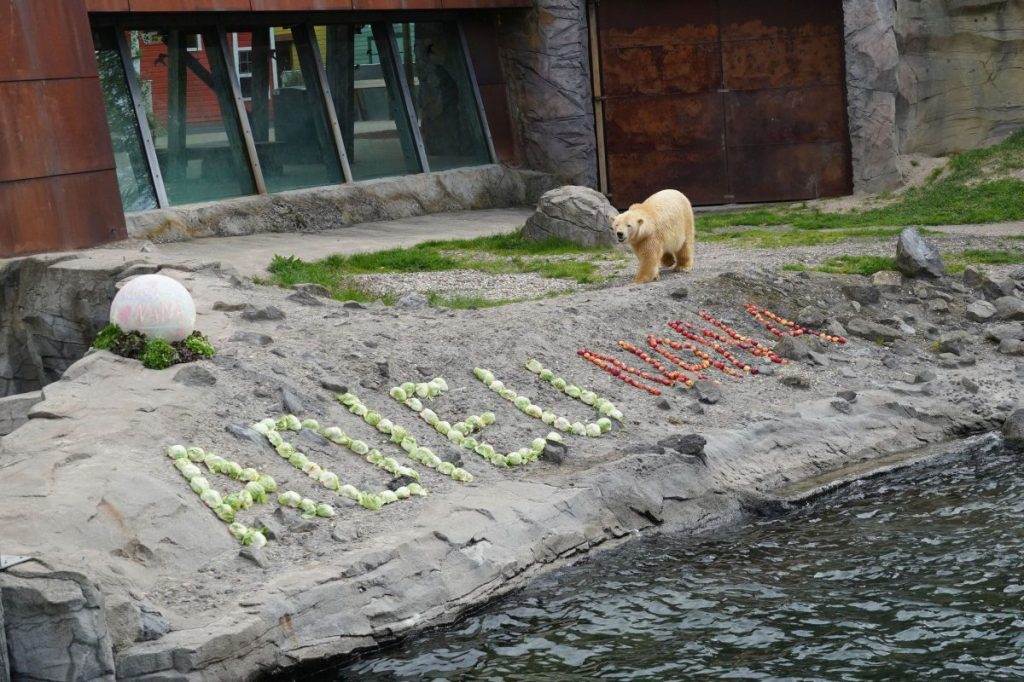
[[725, 100]]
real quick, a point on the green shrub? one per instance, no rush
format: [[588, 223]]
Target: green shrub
[[198, 344], [158, 354], [106, 337]]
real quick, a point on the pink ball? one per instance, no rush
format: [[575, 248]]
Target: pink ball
[[157, 306]]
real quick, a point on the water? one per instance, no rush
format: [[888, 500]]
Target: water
[[915, 576]]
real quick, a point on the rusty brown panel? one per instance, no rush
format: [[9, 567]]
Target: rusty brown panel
[[657, 22], [661, 70], [52, 127], [299, 5], [697, 172], [663, 123], [790, 62], [786, 116], [60, 213], [495, 100], [107, 5], [395, 4], [482, 39], [789, 172], [485, 4], [188, 5], [45, 39], [760, 19]]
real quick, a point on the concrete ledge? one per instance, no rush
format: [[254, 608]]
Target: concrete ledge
[[325, 208]]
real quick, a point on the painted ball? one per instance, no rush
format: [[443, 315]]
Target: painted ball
[[157, 306]]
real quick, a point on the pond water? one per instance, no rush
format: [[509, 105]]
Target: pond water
[[918, 575]]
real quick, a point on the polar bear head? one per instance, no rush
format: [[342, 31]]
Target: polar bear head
[[628, 226]]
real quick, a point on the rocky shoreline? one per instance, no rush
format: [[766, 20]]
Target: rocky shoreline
[[135, 579]]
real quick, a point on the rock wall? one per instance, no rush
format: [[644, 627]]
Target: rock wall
[[960, 84], [872, 64], [50, 311], [54, 625], [545, 56]]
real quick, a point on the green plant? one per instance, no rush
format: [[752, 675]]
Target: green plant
[[106, 337], [129, 344], [198, 344], [158, 354]]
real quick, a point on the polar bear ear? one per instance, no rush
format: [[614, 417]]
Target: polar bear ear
[[639, 222]]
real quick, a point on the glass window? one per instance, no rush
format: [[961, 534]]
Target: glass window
[[368, 99], [133, 177], [192, 115], [446, 106], [287, 113]]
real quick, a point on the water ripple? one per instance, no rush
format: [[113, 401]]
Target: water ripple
[[914, 576]]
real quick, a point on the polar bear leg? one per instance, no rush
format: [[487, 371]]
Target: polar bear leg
[[649, 256], [684, 257]]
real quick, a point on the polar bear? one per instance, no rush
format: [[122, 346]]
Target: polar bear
[[658, 230]]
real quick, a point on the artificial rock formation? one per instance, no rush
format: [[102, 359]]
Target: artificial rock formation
[[959, 75], [577, 214], [546, 61], [872, 64]]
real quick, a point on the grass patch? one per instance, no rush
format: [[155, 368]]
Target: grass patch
[[956, 262], [773, 239], [848, 265], [497, 254], [973, 190], [869, 265]]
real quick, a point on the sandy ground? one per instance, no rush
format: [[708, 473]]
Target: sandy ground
[[92, 456]]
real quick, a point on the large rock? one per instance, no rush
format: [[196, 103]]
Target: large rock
[[1009, 308], [997, 288], [576, 214], [1001, 332], [56, 627], [50, 312], [866, 329], [1013, 429], [915, 257], [980, 311], [956, 342], [14, 410]]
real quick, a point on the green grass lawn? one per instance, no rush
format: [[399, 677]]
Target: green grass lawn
[[976, 188]]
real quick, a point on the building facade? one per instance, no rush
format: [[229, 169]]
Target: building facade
[[153, 109]]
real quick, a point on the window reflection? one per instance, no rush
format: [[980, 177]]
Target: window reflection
[[368, 100], [446, 106], [277, 71], [189, 101], [133, 178]]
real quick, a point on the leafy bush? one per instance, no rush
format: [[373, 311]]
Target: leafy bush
[[106, 337], [198, 344], [159, 354]]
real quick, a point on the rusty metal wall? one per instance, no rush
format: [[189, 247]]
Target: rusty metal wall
[[726, 100], [58, 186]]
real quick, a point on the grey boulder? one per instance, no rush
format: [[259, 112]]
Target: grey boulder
[[577, 214], [916, 257]]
